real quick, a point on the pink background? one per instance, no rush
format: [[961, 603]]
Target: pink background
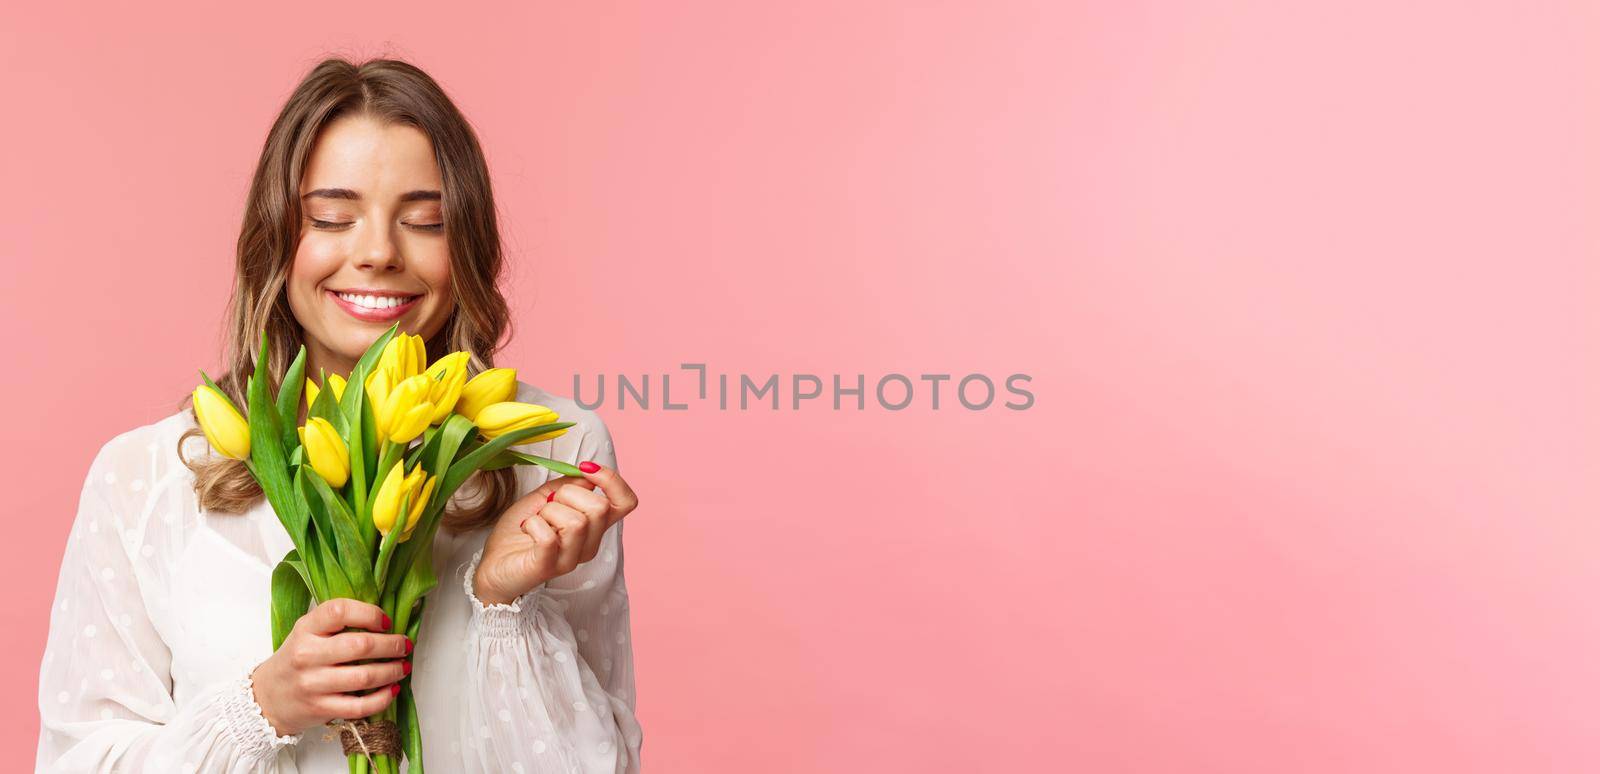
[[1307, 291]]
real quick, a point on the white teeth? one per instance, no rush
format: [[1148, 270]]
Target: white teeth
[[374, 302]]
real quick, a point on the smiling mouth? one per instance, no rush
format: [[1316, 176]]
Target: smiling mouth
[[374, 301]]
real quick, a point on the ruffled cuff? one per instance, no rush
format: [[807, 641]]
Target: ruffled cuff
[[255, 737], [507, 619]]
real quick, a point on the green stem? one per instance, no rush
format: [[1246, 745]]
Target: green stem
[[386, 548]]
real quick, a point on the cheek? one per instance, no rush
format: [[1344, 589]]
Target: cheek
[[314, 261], [434, 271], [312, 264]]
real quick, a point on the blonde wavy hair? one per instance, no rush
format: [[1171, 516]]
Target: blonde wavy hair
[[392, 91]]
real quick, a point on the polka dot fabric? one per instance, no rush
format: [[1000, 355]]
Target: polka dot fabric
[[162, 611]]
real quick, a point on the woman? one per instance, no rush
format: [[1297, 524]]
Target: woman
[[370, 205]]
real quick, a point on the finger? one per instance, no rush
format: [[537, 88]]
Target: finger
[[358, 677], [587, 501], [335, 615], [595, 509], [572, 526], [622, 498], [546, 545], [341, 705], [547, 488], [355, 646]]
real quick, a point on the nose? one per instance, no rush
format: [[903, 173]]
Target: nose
[[379, 252]]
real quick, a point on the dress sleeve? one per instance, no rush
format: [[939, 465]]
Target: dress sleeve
[[105, 689], [550, 675]]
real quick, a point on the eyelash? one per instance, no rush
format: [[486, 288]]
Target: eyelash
[[327, 225]]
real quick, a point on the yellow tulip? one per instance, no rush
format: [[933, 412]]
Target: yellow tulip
[[224, 427], [496, 385], [419, 503], [497, 419], [378, 386], [311, 392], [402, 411], [399, 488], [386, 505], [446, 378], [403, 357], [326, 450]]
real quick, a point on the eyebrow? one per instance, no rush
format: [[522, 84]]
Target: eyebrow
[[345, 193]]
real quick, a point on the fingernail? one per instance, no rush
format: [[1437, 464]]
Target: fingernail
[[386, 622], [406, 666], [551, 497], [523, 524], [394, 688], [588, 467], [409, 646]]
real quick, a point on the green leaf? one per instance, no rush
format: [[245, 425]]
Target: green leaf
[[344, 521], [470, 463], [311, 558], [370, 440], [291, 596], [343, 551], [511, 457], [289, 390], [419, 579], [267, 458], [338, 583], [424, 450], [456, 430]]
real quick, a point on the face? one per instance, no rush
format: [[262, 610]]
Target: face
[[372, 243]]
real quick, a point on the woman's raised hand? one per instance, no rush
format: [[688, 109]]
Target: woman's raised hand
[[550, 531], [305, 682]]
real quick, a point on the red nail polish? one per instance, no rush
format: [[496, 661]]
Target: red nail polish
[[394, 689], [551, 497], [409, 646], [386, 622], [406, 666], [588, 467], [522, 524]]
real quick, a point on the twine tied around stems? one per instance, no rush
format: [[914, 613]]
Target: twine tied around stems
[[368, 737]]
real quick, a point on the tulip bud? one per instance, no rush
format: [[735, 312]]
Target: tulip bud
[[495, 385], [446, 378], [311, 391], [497, 419], [419, 503], [227, 431], [386, 505], [403, 357], [403, 412], [329, 455]]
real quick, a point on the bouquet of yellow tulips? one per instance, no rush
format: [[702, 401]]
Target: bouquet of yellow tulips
[[361, 486]]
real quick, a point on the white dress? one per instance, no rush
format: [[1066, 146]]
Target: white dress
[[162, 610]]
